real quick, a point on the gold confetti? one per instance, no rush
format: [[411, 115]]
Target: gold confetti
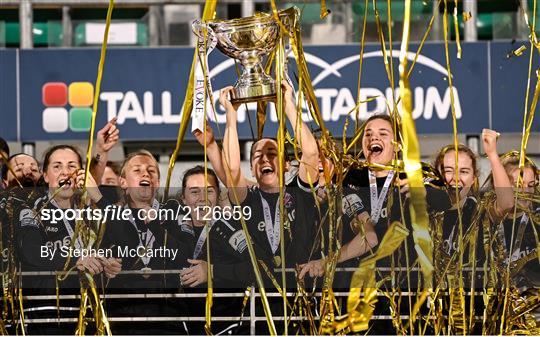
[[518, 52], [324, 11]]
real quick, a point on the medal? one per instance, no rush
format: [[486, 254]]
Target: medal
[[144, 250], [146, 270], [277, 261], [377, 201]]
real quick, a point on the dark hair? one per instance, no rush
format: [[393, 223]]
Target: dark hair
[[5, 167], [390, 120], [55, 148], [252, 150], [114, 167], [439, 160], [199, 169], [4, 147], [380, 116]]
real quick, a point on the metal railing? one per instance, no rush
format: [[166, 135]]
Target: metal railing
[[250, 317]]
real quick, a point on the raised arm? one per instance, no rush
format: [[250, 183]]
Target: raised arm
[[308, 170], [106, 139], [212, 151], [501, 182], [235, 181]]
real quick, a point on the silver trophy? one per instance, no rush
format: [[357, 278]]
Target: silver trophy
[[248, 40]]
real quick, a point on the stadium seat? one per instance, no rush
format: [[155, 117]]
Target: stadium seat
[[418, 10], [489, 25], [124, 33], [45, 33]]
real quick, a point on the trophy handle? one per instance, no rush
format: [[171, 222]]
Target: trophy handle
[[198, 27]]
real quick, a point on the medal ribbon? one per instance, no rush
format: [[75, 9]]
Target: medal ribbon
[[201, 240], [377, 201], [149, 241], [272, 228]]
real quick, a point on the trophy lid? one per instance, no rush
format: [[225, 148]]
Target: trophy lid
[[256, 34], [259, 20], [256, 18]]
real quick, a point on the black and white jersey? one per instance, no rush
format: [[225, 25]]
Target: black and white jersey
[[450, 227], [12, 200], [6, 226], [145, 246], [230, 256], [519, 239], [228, 245], [357, 182], [44, 244], [301, 219], [182, 229]]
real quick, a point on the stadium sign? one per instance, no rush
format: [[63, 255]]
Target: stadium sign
[[336, 103], [334, 73], [145, 87]]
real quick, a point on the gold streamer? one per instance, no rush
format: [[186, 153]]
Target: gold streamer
[[81, 323], [21, 312], [360, 66], [459, 302], [96, 94], [99, 316], [292, 15], [280, 62], [528, 122], [208, 14], [411, 159], [360, 308], [456, 28], [324, 11], [423, 41]]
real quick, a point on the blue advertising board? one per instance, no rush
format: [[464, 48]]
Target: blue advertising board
[[509, 86], [8, 94], [334, 74], [145, 87]]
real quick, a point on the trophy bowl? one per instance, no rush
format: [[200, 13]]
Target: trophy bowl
[[247, 40]]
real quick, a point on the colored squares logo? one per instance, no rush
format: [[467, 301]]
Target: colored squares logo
[[80, 118], [55, 120], [56, 96], [81, 94]]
